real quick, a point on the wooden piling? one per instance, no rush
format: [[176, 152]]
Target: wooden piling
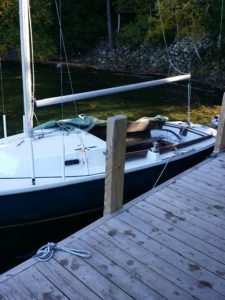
[[115, 161], [220, 138]]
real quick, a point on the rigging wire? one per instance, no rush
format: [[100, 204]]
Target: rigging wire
[[165, 42], [189, 104], [32, 54], [32, 68], [64, 49], [3, 102], [172, 65], [60, 58], [221, 25], [2, 93]]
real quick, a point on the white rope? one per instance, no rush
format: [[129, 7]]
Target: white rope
[[46, 252], [160, 175], [221, 25]]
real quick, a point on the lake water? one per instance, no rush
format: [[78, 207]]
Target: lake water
[[168, 100]]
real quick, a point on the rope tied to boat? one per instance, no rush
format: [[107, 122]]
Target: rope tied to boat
[[47, 251]]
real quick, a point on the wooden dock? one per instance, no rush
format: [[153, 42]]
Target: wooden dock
[[167, 244]]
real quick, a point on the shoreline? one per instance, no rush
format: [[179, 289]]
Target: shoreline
[[213, 82]]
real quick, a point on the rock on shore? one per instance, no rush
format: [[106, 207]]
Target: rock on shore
[[182, 56]]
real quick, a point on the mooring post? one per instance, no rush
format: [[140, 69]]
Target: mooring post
[[115, 161], [220, 137]]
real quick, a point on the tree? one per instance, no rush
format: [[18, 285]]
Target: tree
[[109, 24], [42, 20], [215, 21], [83, 24], [9, 35], [179, 19], [134, 20]]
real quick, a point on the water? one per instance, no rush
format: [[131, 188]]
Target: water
[[169, 100]]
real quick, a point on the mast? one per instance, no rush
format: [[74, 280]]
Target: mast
[[26, 70]]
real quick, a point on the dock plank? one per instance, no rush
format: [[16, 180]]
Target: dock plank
[[33, 279], [180, 187], [201, 193], [182, 281], [178, 235], [208, 183], [167, 244], [14, 290], [169, 259], [65, 281], [173, 257], [116, 273], [89, 276], [199, 219], [182, 248], [182, 223], [107, 245], [211, 174], [187, 203], [180, 217]]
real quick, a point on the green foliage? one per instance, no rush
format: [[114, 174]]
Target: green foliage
[[83, 24], [132, 6], [9, 35], [213, 22], [134, 27], [179, 19], [196, 19], [42, 21], [43, 29], [134, 33]]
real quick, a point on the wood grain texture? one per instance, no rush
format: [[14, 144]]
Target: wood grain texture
[[115, 161], [220, 138], [167, 244]]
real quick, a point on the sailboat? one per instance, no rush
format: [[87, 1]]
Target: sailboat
[[56, 170]]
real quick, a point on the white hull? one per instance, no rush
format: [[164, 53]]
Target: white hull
[[85, 152]]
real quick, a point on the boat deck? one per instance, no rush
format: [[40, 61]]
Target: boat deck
[[167, 244]]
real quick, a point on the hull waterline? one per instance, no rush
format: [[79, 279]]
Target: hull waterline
[[25, 208]]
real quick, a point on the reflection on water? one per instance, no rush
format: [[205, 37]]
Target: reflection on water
[[22, 242], [168, 100]]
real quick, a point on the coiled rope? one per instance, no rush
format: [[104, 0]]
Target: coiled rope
[[47, 251]]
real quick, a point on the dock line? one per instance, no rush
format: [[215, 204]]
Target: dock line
[[46, 252]]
